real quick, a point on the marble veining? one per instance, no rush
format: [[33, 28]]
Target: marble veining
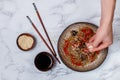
[[57, 15]]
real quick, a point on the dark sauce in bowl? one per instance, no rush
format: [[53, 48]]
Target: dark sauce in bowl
[[44, 61]]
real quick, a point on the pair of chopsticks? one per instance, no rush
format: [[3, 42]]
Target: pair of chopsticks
[[39, 17]]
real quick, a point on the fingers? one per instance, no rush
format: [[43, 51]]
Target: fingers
[[100, 47], [89, 46], [96, 42], [90, 43], [92, 39]]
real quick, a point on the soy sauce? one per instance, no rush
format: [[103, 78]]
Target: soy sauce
[[44, 61]]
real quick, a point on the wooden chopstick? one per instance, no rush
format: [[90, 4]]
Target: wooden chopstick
[[40, 19], [42, 37]]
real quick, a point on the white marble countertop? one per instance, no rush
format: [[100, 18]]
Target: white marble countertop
[[57, 15]]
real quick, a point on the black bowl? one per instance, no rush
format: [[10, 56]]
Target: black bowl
[[44, 61]]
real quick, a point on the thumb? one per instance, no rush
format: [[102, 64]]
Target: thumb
[[96, 42], [102, 46]]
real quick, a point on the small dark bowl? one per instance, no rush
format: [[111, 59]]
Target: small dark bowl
[[44, 61]]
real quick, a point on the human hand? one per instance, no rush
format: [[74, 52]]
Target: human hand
[[102, 39]]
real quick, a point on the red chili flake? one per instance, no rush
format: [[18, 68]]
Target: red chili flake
[[97, 52], [92, 58], [75, 44], [82, 38], [85, 50], [74, 61], [65, 48], [78, 63], [87, 32]]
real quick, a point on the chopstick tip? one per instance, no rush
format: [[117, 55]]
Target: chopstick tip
[[27, 16], [33, 3], [29, 19], [35, 6]]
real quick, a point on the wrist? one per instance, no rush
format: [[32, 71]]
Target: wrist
[[105, 23]]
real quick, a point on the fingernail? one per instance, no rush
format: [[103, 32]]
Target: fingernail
[[90, 47], [90, 50]]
